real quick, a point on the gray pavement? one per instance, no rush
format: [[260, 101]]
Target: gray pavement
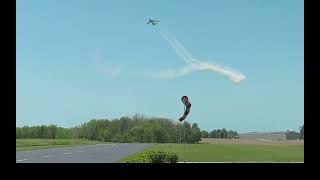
[[100, 153]]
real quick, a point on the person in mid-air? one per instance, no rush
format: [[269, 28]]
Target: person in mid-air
[[187, 104]]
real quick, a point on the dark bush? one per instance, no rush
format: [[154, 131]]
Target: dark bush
[[157, 156], [172, 157], [152, 157], [162, 157]]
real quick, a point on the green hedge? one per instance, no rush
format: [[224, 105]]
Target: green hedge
[[153, 157]]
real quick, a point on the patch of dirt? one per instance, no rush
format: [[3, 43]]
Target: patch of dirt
[[249, 141]]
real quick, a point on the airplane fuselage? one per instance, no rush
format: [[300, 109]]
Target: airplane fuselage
[[154, 22]]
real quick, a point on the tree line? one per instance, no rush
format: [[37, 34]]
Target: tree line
[[219, 133], [126, 129]]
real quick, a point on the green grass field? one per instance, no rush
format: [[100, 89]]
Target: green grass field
[[33, 144], [192, 152], [232, 152]]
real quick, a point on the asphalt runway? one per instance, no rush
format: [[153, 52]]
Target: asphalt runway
[[100, 153]]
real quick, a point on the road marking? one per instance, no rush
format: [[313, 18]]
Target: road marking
[[79, 151], [46, 156], [265, 139], [67, 153], [22, 160]]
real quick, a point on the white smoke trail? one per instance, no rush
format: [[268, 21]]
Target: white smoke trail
[[181, 48], [195, 65], [231, 74], [171, 74], [172, 44]]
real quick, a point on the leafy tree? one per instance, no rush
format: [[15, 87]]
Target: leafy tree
[[302, 132], [204, 134]]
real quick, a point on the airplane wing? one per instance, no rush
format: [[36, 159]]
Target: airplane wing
[[148, 22]]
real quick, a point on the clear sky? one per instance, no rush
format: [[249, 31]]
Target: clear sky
[[84, 59]]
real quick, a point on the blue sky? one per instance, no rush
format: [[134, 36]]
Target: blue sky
[[80, 59]]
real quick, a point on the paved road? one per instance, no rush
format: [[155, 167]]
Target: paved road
[[100, 153]]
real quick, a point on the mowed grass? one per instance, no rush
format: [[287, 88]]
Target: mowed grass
[[233, 152], [33, 144]]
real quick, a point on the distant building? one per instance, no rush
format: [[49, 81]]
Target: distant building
[[283, 135]]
